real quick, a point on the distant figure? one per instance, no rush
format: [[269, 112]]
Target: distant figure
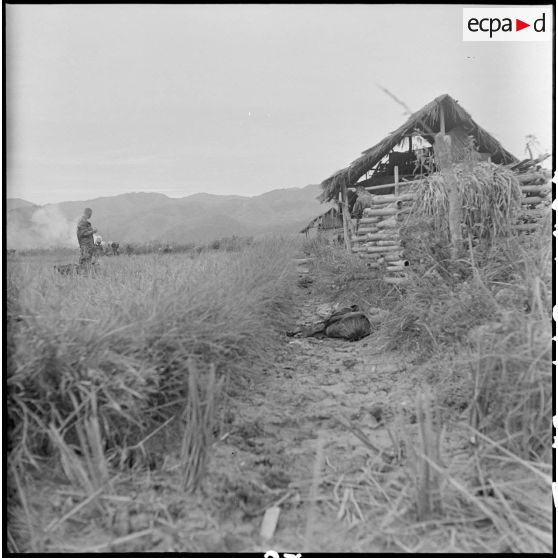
[[114, 246], [364, 200], [85, 234], [129, 249], [98, 240], [67, 269]]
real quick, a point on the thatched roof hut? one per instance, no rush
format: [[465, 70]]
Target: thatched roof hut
[[331, 219], [442, 114]]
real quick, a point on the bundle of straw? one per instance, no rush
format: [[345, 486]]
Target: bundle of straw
[[489, 196]]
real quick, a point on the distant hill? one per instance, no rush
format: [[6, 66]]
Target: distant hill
[[141, 217], [15, 203]]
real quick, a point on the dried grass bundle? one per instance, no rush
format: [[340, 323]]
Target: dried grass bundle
[[199, 417], [489, 196]]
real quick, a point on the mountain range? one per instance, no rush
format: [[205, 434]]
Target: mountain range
[[144, 217]]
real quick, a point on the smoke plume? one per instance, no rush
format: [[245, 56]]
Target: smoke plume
[[47, 228]]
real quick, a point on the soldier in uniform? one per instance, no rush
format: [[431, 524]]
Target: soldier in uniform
[[114, 246], [85, 234]]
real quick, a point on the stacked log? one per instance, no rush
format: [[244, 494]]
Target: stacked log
[[536, 198], [377, 237]]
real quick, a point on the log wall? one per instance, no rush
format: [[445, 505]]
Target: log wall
[[536, 199], [377, 238]]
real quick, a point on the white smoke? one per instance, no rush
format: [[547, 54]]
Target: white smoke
[[48, 228]]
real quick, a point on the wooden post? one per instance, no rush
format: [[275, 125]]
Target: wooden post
[[442, 121], [346, 216], [442, 148], [410, 144], [396, 180]]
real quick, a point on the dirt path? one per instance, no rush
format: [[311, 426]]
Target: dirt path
[[271, 449], [270, 435]]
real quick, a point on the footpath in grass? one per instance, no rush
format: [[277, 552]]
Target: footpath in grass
[[335, 434]]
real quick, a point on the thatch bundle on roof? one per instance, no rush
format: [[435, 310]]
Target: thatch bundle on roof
[[443, 113], [330, 220]]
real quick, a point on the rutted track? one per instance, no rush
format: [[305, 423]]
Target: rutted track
[[270, 430], [314, 385]]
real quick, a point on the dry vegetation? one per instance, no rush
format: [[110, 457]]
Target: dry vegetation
[[98, 364], [475, 459]]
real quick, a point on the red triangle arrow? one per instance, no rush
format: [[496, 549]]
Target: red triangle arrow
[[519, 25]]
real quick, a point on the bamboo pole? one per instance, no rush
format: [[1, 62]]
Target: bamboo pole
[[346, 217], [396, 204], [529, 200], [369, 220], [399, 263], [394, 242], [534, 188], [370, 256], [393, 256], [387, 209], [529, 176], [386, 235], [389, 223], [534, 213], [363, 238], [362, 247], [369, 212], [390, 198], [384, 249], [396, 179], [391, 185], [526, 226], [362, 233], [360, 240], [366, 230]]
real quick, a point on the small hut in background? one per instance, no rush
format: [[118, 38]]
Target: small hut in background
[[328, 225], [407, 155]]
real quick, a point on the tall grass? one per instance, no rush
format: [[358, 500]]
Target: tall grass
[[115, 346], [342, 276], [479, 329]]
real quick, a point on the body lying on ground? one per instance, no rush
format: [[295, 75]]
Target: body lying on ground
[[347, 323]]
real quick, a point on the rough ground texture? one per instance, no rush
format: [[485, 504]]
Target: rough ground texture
[[270, 435], [268, 452]]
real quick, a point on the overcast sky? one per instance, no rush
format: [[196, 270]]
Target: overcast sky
[[231, 99]]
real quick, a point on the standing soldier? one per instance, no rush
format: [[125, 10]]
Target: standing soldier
[[85, 238]]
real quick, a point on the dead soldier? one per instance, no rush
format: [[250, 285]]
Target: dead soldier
[[85, 234]]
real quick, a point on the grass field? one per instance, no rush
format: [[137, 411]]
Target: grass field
[[96, 362], [480, 329], [109, 373]]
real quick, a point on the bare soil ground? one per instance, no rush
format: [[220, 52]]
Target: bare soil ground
[[269, 441], [268, 448]]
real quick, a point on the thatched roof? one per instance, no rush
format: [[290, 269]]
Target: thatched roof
[[427, 122], [331, 211]]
